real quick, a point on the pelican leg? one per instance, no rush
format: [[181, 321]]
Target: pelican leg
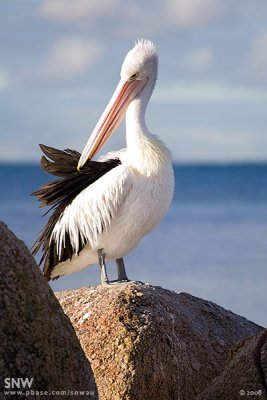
[[121, 270], [102, 264]]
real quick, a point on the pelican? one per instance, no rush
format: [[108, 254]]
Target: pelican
[[101, 209]]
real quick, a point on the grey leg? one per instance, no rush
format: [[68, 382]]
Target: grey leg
[[103, 270], [121, 270]]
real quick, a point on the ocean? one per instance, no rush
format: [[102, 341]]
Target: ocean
[[212, 243]]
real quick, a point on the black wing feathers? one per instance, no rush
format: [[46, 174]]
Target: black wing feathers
[[60, 193], [64, 162]]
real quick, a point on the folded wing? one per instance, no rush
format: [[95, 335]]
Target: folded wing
[[83, 203]]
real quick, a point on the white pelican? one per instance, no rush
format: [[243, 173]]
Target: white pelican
[[101, 209]]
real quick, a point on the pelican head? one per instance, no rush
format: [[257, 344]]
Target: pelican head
[[141, 62], [140, 66]]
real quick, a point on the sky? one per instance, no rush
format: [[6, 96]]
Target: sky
[[60, 62]]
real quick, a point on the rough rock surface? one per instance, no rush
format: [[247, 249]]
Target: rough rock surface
[[246, 373], [37, 339], [146, 342]]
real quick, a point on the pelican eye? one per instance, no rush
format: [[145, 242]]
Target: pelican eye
[[133, 77]]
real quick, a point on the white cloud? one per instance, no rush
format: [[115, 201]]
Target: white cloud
[[68, 58], [220, 145], [255, 66], [136, 16], [4, 80], [198, 61], [186, 92], [194, 13], [76, 10]]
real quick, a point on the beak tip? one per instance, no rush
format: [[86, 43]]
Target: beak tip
[[79, 165]]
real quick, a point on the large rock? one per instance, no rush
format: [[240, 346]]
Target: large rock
[[37, 339], [146, 342], [246, 373]]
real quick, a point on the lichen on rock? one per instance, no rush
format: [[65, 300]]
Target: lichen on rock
[[145, 342]]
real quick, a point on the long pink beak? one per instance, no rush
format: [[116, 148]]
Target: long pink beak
[[111, 117]]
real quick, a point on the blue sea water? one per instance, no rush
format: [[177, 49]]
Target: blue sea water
[[212, 243]]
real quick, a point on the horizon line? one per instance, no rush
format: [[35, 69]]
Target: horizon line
[[177, 163]]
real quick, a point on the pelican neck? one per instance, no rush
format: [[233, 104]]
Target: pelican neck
[[145, 152], [135, 115]]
